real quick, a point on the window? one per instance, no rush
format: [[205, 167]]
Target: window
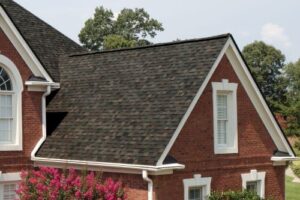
[[9, 191], [252, 186], [11, 88], [254, 182], [6, 118], [196, 193], [197, 188], [225, 117], [8, 185]]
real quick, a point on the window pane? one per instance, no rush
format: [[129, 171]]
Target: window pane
[[222, 132], [5, 82], [5, 130], [9, 191], [196, 193], [5, 106], [252, 186], [222, 106]]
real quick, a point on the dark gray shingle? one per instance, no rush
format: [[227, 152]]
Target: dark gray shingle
[[46, 42], [123, 106]]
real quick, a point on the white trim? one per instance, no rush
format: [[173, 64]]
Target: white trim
[[197, 181], [255, 176], [192, 106], [17, 84], [279, 159], [253, 92], [232, 130], [40, 86], [22, 47], [106, 166], [10, 177], [258, 101]]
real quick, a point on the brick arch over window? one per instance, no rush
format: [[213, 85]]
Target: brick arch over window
[[11, 87]]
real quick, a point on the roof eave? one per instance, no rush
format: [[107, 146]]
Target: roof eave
[[107, 166]]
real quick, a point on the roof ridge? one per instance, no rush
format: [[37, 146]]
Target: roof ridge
[[153, 45]]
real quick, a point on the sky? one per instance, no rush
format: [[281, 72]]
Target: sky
[[275, 22]]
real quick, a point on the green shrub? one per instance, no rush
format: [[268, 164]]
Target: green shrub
[[296, 169], [234, 195], [297, 145]]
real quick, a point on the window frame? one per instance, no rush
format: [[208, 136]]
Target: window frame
[[230, 90], [197, 181], [16, 93], [255, 176]]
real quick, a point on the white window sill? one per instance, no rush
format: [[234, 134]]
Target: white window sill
[[226, 150], [10, 147]]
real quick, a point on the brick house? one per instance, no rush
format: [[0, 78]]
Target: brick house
[[172, 121]]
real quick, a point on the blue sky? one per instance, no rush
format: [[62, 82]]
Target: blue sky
[[273, 21]]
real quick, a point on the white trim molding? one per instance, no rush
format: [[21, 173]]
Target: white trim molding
[[231, 140], [17, 85], [259, 177], [197, 181], [10, 177], [22, 47]]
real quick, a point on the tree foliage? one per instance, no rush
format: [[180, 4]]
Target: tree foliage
[[266, 64], [132, 27], [292, 105]]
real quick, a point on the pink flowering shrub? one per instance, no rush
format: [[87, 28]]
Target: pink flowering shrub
[[50, 183]]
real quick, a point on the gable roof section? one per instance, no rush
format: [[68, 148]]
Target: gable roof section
[[46, 43], [123, 106], [239, 65]]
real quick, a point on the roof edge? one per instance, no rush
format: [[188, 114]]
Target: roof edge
[[226, 35], [107, 166]]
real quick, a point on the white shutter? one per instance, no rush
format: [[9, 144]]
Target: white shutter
[[222, 120]]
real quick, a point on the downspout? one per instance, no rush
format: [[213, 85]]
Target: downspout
[[150, 184], [44, 134]]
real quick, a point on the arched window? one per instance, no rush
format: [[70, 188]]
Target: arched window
[[6, 108], [11, 88]]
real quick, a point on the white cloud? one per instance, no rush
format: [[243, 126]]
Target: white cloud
[[275, 34]]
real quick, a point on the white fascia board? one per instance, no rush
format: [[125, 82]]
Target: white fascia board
[[22, 47], [192, 105], [257, 99], [279, 159], [108, 167], [42, 83]]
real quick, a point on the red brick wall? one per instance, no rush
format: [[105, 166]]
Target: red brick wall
[[31, 109], [135, 187], [194, 147]]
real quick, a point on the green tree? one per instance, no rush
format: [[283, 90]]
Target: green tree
[[131, 28], [266, 64], [292, 105]]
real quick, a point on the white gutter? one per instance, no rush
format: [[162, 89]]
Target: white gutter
[[107, 164], [44, 134], [42, 83], [274, 158], [150, 184]]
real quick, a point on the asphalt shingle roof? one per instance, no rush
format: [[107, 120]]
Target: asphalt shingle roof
[[123, 106], [46, 42]]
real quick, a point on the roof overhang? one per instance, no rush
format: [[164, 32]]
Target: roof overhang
[[16, 38], [41, 86], [108, 167]]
